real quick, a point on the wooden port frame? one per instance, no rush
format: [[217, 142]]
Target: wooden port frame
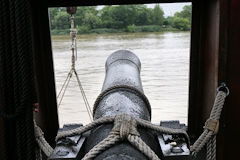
[[214, 58]]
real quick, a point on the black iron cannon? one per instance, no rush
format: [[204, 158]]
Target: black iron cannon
[[122, 93]]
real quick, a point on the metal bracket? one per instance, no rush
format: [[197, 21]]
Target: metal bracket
[[174, 147], [69, 147]]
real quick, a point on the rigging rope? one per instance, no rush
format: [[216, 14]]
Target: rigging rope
[[208, 137], [60, 96]]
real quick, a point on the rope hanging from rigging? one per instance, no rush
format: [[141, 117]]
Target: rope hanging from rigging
[[73, 34]]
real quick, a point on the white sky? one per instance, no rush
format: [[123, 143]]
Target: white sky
[[168, 8]]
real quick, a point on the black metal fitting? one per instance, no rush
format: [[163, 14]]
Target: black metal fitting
[[173, 147], [223, 87], [71, 10], [68, 147]]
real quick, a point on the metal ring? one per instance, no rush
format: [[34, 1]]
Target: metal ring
[[223, 87]]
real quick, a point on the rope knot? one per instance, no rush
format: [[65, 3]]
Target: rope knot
[[125, 125], [212, 125]]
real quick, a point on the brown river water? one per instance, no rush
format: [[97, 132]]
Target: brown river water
[[164, 74]]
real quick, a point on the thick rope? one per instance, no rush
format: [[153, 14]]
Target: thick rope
[[102, 146], [149, 125], [125, 128], [210, 129], [83, 129], [142, 146], [42, 143], [211, 149]]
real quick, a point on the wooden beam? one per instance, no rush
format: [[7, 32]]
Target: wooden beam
[[203, 63], [229, 71], [47, 118], [62, 3]]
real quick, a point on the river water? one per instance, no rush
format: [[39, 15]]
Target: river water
[[164, 74]]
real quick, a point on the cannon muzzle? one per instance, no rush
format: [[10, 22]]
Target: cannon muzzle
[[122, 90]]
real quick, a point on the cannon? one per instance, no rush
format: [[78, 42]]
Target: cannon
[[122, 93]]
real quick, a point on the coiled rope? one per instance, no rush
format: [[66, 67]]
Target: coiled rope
[[125, 128]]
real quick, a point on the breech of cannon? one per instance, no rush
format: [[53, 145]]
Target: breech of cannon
[[122, 93]]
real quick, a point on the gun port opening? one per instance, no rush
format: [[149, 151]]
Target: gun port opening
[[159, 34]]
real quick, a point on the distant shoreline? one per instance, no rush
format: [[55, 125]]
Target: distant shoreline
[[132, 29], [95, 34], [119, 19]]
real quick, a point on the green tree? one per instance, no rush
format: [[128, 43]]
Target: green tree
[[185, 13], [168, 21], [79, 17], [157, 15], [90, 20], [62, 20], [143, 16], [123, 15], [180, 20], [181, 23], [131, 28], [130, 18], [53, 13], [106, 17]]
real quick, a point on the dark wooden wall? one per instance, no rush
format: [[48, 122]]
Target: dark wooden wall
[[47, 118], [203, 63], [228, 146], [215, 54]]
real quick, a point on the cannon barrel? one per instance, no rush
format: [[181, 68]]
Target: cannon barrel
[[122, 92]]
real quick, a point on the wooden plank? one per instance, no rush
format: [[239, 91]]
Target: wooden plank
[[214, 59], [203, 63], [61, 3], [47, 118], [1, 122], [222, 70], [228, 138]]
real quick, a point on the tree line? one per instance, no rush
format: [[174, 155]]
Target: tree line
[[120, 18]]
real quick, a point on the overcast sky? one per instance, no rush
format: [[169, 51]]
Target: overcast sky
[[168, 8]]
